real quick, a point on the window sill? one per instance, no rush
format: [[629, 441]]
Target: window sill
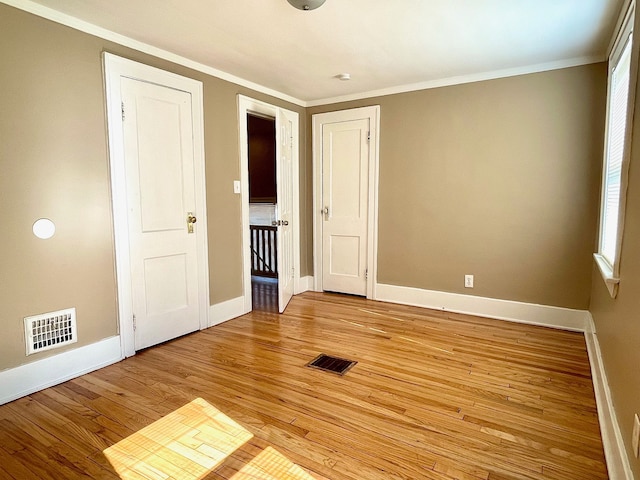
[[607, 275]]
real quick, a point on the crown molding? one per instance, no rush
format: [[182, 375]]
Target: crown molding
[[91, 29], [461, 79]]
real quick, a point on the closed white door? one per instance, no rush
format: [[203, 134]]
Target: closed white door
[[162, 216], [284, 209], [345, 206]]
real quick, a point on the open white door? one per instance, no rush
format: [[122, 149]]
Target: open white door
[[284, 208]]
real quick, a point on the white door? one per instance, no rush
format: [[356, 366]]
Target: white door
[[345, 205], [162, 214], [284, 208]]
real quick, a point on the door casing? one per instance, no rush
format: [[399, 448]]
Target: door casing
[[373, 114], [114, 68], [250, 105]]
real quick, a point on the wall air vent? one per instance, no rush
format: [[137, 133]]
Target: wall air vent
[[50, 330]]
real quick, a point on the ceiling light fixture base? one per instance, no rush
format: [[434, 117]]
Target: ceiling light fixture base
[[306, 4]]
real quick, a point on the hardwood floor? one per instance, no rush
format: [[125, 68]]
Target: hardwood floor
[[434, 396], [264, 294]]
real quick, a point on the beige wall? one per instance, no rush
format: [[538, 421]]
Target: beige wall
[[54, 163], [498, 179], [618, 320]]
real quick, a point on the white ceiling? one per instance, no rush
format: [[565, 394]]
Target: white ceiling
[[386, 45]]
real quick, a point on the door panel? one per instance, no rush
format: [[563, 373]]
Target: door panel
[[159, 162], [345, 180], [344, 168], [165, 282], [345, 255], [284, 210]]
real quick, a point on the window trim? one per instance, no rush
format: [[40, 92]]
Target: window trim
[[611, 273]]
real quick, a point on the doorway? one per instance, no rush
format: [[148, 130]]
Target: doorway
[[286, 216], [263, 200], [345, 157]]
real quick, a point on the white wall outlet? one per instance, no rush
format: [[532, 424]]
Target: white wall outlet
[[636, 435], [236, 186], [468, 281]]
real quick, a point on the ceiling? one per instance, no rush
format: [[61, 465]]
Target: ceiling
[[386, 45]]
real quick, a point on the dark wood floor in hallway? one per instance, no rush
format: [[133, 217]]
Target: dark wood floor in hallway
[[264, 294], [434, 395]]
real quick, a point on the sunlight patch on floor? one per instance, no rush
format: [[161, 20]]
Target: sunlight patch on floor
[[191, 442], [271, 465], [186, 444]]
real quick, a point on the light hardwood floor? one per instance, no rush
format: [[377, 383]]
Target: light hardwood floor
[[434, 396]]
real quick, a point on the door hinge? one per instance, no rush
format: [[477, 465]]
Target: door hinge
[[122, 109], [366, 273], [368, 135], [134, 322]]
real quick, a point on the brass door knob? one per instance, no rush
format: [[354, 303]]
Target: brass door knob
[[191, 219]]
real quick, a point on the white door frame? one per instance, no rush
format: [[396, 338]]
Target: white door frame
[[373, 113], [114, 68], [250, 105]]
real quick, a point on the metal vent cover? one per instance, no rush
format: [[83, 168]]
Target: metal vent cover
[[50, 330], [331, 364]]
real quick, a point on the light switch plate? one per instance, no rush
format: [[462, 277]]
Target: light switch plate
[[636, 434], [236, 186]]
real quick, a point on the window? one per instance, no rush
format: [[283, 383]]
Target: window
[[616, 155]]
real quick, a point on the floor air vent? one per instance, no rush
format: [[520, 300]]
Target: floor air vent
[[331, 364], [50, 330]]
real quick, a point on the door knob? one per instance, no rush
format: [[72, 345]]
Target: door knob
[[285, 222], [191, 219], [276, 223]]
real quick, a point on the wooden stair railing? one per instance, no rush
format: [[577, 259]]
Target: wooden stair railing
[[264, 252]]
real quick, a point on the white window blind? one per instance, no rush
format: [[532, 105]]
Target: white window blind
[[618, 96], [620, 111]]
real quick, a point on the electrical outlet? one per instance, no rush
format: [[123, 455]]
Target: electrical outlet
[[468, 281], [636, 434]]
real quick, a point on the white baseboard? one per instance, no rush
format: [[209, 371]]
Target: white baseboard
[[544, 315], [31, 377], [614, 450], [223, 311]]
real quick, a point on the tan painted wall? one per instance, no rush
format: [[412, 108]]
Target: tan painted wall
[[54, 163], [499, 179], [618, 320]]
